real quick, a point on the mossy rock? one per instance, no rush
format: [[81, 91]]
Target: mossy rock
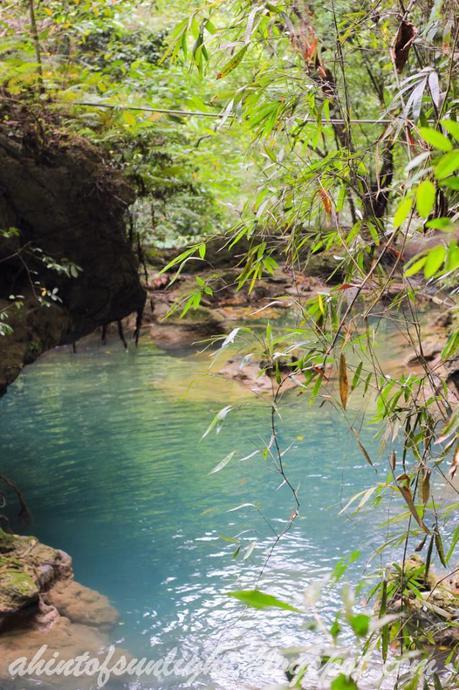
[[7, 542], [18, 589]]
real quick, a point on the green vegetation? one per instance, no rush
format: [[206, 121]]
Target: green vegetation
[[293, 129]]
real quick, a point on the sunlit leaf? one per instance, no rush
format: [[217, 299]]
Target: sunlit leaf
[[425, 198], [451, 347], [434, 260], [360, 624], [414, 267], [403, 211], [343, 682], [233, 63], [447, 165], [452, 127], [435, 138], [260, 600]]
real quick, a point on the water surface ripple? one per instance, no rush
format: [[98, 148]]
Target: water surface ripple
[[106, 446]]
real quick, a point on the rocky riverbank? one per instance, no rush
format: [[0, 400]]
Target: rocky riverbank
[[281, 297], [42, 604]]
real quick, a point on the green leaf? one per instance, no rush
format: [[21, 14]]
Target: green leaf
[[360, 624], [425, 198], [440, 549], [233, 63], [219, 417], [174, 40], [402, 212], [434, 260], [179, 259], [451, 347], [451, 183], [447, 165], [260, 600], [452, 127], [335, 629], [414, 267], [452, 258], [356, 377], [211, 28], [343, 564], [435, 138], [443, 224], [343, 682]]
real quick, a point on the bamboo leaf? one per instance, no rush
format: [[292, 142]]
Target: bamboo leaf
[[233, 63], [447, 165], [435, 139], [343, 381], [440, 549], [407, 495], [425, 486], [393, 460], [434, 260], [343, 682], [452, 127], [219, 417], [402, 212], [425, 198], [223, 463], [414, 267], [356, 377], [260, 600]]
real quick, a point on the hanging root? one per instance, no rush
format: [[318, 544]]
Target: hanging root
[[24, 513], [103, 335], [138, 326], [121, 334]]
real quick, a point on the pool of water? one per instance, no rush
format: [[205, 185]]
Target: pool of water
[[107, 447]]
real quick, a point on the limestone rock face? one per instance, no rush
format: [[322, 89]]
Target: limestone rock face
[[23, 561], [65, 201]]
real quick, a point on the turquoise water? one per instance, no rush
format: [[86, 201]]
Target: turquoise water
[[107, 447]]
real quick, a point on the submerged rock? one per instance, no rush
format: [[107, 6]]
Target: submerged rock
[[41, 604], [258, 380], [82, 605], [65, 639]]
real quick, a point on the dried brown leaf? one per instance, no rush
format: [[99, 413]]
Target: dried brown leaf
[[407, 495], [343, 381], [404, 39]]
